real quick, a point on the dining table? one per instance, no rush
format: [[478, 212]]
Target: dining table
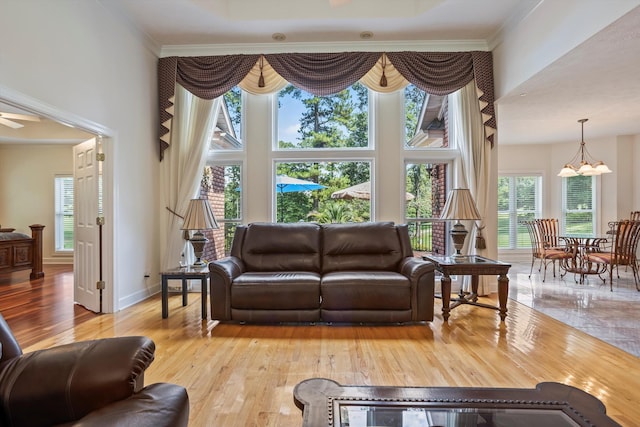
[[579, 246]]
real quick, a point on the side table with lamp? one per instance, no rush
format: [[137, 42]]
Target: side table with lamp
[[460, 206], [199, 217]]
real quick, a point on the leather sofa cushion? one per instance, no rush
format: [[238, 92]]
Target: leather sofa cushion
[[282, 247], [361, 246], [365, 290], [286, 290]]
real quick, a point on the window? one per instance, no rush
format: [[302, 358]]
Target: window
[[311, 199], [518, 200], [422, 201], [306, 121], [222, 177], [63, 213], [227, 135], [578, 202], [224, 182], [424, 118]]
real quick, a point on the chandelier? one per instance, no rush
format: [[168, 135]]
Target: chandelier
[[587, 165]]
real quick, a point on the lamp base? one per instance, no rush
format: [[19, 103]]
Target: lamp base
[[458, 234], [198, 241]]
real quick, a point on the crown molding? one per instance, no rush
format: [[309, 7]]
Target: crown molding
[[365, 46], [20, 100]]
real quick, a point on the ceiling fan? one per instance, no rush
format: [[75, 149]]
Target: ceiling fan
[[8, 119]]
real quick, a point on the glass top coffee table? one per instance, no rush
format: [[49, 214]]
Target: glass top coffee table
[[328, 404]]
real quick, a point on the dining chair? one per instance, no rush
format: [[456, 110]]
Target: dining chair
[[622, 251], [546, 247], [635, 216]]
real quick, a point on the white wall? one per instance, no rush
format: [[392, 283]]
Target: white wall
[[551, 30], [77, 57], [27, 192]]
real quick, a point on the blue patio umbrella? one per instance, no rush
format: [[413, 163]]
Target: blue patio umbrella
[[287, 184]]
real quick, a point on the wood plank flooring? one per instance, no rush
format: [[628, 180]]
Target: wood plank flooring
[[244, 375]]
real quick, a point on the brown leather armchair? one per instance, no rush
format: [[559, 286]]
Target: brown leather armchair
[[87, 383]]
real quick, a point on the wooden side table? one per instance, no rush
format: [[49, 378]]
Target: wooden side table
[[184, 274], [474, 266]]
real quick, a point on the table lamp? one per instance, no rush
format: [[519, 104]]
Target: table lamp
[[459, 206], [199, 217]]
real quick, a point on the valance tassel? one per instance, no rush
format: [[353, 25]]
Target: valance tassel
[[383, 80], [261, 78]]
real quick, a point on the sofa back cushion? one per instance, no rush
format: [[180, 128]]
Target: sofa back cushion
[[361, 246], [281, 247]]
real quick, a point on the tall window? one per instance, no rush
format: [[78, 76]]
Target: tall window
[[63, 213], [223, 174], [578, 205], [306, 121], [422, 201], [518, 200]]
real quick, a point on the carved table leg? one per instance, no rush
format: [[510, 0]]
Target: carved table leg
[[445, 284], [503, 291], [475, 279]]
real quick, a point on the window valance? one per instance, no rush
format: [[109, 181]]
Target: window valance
[[438, 73]]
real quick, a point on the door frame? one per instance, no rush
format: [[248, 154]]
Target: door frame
[[27, 103]]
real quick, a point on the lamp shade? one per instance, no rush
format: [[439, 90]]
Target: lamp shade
[[199, 216], [460, 206]]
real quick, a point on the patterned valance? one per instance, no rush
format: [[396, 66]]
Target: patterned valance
[[438, 73]]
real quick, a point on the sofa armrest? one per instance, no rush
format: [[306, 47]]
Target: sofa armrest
[[415, 267], [227, 268], [421, 274], [69, 381], [222, 273], [158, 405]]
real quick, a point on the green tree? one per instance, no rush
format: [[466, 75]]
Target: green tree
[[419, 183], [233, 101], [333, 121]]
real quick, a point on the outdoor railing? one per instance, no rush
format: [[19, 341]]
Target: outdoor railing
[[421, 234]]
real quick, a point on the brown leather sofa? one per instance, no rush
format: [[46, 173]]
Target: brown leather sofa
[[88, 383], [306, 272]]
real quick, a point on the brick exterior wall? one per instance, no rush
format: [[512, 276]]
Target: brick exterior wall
[[439, 189]]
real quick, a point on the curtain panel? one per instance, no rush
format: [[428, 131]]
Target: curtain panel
[[438, 73]]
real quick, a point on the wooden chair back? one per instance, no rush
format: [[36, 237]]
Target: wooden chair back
[[625, 234], [635, 216], [537, 246], [549, 231]]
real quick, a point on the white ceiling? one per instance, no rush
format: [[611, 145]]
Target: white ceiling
[[598, 80]]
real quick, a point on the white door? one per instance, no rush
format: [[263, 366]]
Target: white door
[[86, 271]]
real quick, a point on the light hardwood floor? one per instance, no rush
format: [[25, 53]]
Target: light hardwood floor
[[244, 375]]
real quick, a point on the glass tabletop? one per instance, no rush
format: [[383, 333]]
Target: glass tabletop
[[415, 416]]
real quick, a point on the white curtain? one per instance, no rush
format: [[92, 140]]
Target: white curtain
[[468, 133], [181, 169]]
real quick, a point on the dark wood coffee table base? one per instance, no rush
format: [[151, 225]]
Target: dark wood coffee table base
[[326, 403]]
